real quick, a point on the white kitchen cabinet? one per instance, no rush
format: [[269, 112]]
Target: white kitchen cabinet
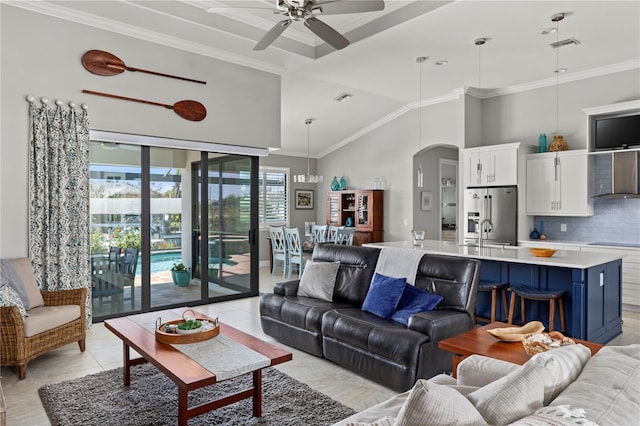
[[558, 184], [495, 165]]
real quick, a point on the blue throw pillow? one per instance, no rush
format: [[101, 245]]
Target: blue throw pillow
[[414, 300], [384, 295]]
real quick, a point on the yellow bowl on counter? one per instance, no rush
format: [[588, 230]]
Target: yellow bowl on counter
[[542, 252]]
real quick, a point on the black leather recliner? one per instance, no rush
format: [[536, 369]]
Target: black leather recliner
[[377, 348]]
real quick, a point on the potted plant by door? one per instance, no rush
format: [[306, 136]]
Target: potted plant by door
[[180, 274]]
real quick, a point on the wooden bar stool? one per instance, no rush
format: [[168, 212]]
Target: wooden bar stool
[[494, 288], [541, 295]]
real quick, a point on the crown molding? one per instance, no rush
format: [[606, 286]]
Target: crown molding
[[568, 78], [485, 94], [390, 117], [88, 19]]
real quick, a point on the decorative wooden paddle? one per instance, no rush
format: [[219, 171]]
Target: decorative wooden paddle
[[189, 110], [104, 63]]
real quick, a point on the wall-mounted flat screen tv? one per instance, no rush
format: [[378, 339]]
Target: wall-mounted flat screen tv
[[616, 132]]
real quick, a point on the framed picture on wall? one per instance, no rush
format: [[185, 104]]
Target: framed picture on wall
[[426, 198], [304, 199]]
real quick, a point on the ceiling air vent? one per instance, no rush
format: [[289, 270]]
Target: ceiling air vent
[[563, 43], [342, 97]]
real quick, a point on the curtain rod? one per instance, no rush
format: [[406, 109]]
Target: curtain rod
[[32, 99]]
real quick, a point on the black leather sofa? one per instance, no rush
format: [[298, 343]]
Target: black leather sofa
[[377, 348]]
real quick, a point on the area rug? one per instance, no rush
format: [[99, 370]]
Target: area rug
[[152, 399]]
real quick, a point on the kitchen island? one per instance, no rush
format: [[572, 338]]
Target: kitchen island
[[593, 307]]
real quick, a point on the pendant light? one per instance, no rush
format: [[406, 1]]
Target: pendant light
[[308, 178], [558, 144], [480, 42], [420, 177]]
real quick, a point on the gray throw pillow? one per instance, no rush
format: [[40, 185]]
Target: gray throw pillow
[[318, 280], [9, 297]]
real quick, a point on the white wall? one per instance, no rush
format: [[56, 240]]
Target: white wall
[[41, 55], [388, 152], [521, 117], [296, 165], [518, 117]]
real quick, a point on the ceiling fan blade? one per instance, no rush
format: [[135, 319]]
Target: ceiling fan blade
[[239, 6], [337, 7], [326, 33], [272, 34]]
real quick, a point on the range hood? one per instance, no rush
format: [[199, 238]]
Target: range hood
[[624, 176]]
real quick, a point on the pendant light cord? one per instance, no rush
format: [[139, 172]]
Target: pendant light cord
[[479, 66], [420, 108], [308, 123], [557, 77]]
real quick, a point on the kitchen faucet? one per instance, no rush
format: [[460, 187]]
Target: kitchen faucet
[[482, 230]]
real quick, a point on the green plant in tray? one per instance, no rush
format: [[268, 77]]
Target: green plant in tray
[[190, 324]]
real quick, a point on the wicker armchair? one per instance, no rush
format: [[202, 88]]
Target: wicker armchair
[[17, 349]]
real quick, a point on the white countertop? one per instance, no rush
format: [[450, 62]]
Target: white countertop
[[561, 259]]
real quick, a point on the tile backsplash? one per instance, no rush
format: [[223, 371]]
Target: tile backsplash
[[613, 221]]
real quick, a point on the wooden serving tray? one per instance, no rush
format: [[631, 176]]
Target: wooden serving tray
[[173, 338]]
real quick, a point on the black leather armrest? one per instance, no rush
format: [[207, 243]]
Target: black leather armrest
[[287, 288], [441, 323]]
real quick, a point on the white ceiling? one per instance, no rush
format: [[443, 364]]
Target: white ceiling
[[379, 66]]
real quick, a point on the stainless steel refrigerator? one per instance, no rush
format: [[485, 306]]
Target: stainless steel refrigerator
[[492, 211]]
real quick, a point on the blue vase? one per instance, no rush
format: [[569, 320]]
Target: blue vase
[[534, 235], [542, 143], [349, 222], [335, 186], [343, 183]]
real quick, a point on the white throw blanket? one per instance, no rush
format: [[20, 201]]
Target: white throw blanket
[[399, 263]]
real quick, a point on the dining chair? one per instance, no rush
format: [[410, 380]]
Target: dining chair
[[114, 258], [294, 251], [332, 232], [344, 236], [319, 233], [128, 267], [278, 248]]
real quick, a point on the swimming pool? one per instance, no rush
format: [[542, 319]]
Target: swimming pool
[[161, 261]]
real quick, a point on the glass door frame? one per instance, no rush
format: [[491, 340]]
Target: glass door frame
[[202, 167]]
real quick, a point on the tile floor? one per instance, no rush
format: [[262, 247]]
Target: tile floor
[[24, 408]]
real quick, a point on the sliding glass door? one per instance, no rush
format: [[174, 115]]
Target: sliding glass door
[[228, 239], [148, 207]]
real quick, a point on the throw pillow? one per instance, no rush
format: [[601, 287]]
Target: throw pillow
[[516, 395], [562, 415], [25, 272], [318, 280], [385, 421], [478, 370], [432, 404], [413, 301], [10, 276], [384, 295], [9, 297], [564, 364]]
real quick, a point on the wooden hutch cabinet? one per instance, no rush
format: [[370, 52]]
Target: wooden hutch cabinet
[[361, 209]]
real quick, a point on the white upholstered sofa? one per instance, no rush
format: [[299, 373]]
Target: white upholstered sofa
[[565, 386]]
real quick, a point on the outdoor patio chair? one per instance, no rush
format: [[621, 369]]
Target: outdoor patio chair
[[55, 318]]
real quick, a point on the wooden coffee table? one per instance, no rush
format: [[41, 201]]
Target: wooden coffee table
[[186, 373], [478, 341]]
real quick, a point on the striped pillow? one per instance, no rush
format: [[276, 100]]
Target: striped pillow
[[432, 404]]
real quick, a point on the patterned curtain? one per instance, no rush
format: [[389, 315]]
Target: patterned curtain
[[59, 197]]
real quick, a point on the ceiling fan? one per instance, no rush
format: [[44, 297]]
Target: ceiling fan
[[306, 11]]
